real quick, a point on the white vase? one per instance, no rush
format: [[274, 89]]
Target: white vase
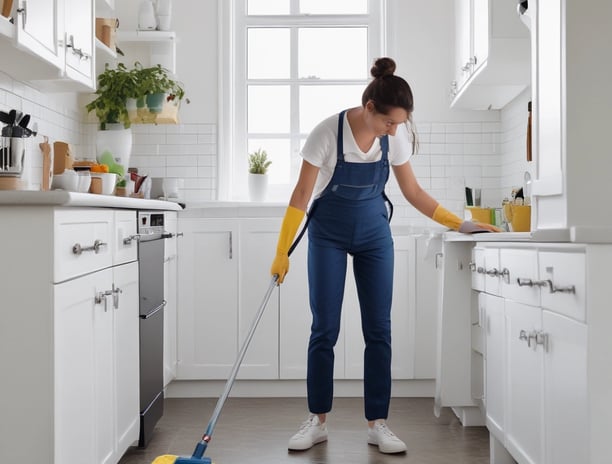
[[118, 141], [258, 187]]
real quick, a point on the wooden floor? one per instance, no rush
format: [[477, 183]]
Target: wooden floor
[[256, 431]]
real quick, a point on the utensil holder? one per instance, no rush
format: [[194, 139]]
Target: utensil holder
[[12, 156]]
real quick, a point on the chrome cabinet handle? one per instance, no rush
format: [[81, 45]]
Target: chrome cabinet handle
[[24, 11], [116, 291], [128, 240], [569, 289], [493, 272], [505, 273], [472, 266], [528, 336], [231, 247], [541, 338], [77, 249], [76, 51], [101, 298], [524, 282], [438, 256]]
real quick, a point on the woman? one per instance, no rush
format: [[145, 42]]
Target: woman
[[345, 163]]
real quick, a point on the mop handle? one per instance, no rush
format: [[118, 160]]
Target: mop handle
[[234, 372]]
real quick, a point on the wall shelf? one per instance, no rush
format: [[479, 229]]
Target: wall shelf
[[160, 46]]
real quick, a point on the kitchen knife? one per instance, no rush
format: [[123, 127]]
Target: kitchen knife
[[24, 121], [469, 201]]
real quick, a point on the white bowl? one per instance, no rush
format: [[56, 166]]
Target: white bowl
[[109, 180], [68, 180]]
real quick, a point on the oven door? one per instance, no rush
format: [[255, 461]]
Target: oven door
[[151, 274]]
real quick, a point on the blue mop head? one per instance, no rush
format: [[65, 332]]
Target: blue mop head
[[172, 459]]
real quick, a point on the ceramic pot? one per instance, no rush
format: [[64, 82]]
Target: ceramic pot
[[118, 141], [155, 102], [258, 187]]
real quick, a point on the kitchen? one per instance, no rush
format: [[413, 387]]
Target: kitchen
[[459, 147]]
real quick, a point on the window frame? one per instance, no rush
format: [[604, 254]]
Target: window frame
[[233, 84]]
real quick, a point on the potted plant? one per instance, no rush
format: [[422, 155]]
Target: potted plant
[[155, 86], [258, 180], [115, 86]]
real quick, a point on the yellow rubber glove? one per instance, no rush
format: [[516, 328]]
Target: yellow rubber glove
[[291, 222], [446, 218]]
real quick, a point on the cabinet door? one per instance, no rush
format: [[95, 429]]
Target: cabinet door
[[480, 32], [426, 276], [38, 30], [548, 106], [124, 303], [463, 40], [208, 290], [495, 365], [566, 407], [171, 296], [258, 239], [524, 426], [77, 319], [79, 33]]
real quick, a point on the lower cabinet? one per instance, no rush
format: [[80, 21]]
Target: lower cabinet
[[542, 367], [223, 274], [171, 296], [96, 359]]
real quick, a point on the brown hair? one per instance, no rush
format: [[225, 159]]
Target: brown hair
[[387, 91]]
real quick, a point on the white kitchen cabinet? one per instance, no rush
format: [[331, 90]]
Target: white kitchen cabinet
[[170, 295], [566, 391], [53, 42], [547, 384], [74, 374], [79, 42], [525, 368], [571, 120], [223, 276], [491, 54], [495, 365], [208, 288]]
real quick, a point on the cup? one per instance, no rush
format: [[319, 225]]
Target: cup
[[170, 187]]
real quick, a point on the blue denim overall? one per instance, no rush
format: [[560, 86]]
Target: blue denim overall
[[351, 217]]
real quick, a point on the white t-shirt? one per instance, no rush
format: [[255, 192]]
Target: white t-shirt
[[320, 149]]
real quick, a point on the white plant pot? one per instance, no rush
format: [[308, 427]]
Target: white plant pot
[[118, 141], [258, 187]]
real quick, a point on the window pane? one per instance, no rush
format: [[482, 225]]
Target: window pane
[[268, 109], [321, 101], [268, 7], [279, 153], [333, 53], [333, 7], [268, 53]]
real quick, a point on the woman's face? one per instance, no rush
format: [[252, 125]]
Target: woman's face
[[384, 124]]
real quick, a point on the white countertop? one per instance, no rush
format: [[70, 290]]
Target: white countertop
[[65, 198]]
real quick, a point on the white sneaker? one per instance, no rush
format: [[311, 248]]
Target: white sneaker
[[311, 432], [385, 439]]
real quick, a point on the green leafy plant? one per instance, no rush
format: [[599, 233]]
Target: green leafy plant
[[157, 79], [259, 162], [116, 85]]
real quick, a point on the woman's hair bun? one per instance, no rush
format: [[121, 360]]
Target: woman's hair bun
[[383, 67]]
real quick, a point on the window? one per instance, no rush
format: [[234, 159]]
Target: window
[[291, 63]]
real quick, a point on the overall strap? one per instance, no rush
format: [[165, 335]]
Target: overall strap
[[340, 143]]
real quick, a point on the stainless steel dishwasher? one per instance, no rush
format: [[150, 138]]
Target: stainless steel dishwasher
[[151, 235]]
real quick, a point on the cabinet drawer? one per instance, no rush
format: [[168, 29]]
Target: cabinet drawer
[[125, 227], [82, 241], [521, 266], [566, 276]]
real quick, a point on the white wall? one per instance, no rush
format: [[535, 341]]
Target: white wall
[[482, 149]]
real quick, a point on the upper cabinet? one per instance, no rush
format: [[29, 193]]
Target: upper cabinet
[[50, 43], [492, 54], [571, 118]]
